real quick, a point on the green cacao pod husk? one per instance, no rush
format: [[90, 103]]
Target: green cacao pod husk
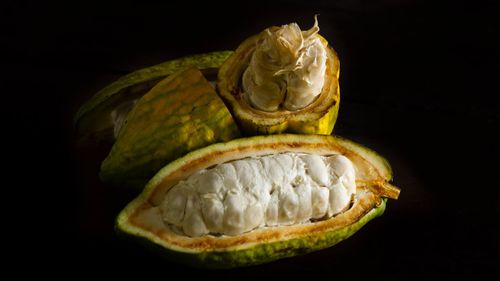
[[100, 118], [179, 114]]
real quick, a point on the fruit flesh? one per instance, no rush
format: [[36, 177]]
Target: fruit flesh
[[286, 70], [273, 190]]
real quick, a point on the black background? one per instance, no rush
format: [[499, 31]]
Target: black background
[[419, 84]]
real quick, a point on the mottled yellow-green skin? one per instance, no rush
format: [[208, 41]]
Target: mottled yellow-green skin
[[180, 114], [126, 84]]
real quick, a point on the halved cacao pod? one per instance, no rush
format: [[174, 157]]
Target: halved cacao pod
[[142, 218]]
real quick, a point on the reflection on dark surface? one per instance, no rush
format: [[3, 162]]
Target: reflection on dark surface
[[417, 85]]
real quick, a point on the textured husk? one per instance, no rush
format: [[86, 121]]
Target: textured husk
[[93, 121], [179, 114]]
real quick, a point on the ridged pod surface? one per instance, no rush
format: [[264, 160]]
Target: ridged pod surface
[[94, 118], [179, 114]]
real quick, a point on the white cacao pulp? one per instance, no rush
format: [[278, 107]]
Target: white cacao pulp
[[287, 69], [275, 190]]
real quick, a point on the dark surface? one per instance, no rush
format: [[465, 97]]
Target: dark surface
[[419, 84]]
